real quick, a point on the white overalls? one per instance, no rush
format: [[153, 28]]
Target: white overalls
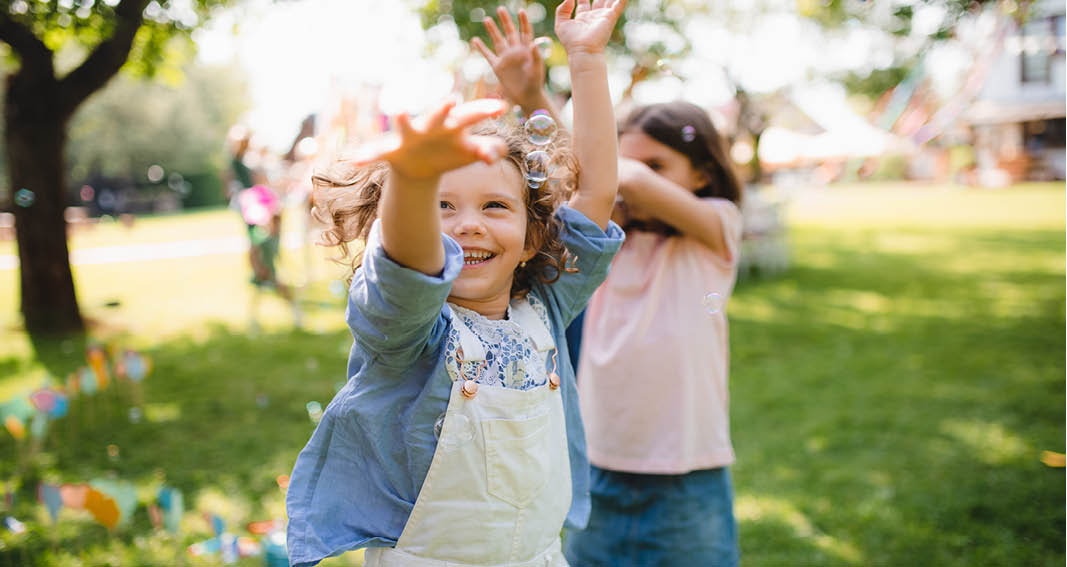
[[499, 485]]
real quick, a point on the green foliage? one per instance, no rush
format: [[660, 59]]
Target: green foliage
[[878, 81], [134, 123], [61, 25]]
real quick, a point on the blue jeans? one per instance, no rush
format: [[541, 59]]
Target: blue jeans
[[642, 520]]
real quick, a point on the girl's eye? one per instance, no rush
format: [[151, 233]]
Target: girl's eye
[[655, 166], [495, 204], [446, 205]]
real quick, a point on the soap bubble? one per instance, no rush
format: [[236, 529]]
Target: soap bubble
[[314, 411], [24, 197], [664, 66], [155, 173], [134, 415], [113, 452], [337, 288], [713, 303], [544, 47], [537, 167], [540, 128], [689, 133], [459, 430]]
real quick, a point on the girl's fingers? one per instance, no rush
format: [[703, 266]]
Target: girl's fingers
[[535, 53], [494, 35], [583, 6], [508, 25], [436, 118], [597, 4], [525, 28], [564, 10], [484, 50]]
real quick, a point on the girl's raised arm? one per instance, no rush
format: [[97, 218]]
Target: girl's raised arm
[[584, 27], [423, 150]]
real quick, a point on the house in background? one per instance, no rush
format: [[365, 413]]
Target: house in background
[[1017, 119]]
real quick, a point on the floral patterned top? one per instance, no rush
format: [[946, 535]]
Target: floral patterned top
[[511, 359]]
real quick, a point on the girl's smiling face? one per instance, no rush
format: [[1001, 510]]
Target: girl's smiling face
[[483, 208]]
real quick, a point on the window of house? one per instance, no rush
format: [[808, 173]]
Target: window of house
[[1036, 37]]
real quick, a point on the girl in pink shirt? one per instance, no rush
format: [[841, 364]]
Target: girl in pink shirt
[[654, 359]]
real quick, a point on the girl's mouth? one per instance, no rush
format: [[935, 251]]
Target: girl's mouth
[[476, 257]]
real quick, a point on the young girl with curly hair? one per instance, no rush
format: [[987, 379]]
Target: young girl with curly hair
[[457, 439]]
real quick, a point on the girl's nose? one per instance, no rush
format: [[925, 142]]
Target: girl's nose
[[469, 223]]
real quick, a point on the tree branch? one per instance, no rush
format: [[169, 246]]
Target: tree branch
[[105, 60], [33, 51]]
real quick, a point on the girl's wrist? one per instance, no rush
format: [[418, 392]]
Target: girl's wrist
[[410, 180]]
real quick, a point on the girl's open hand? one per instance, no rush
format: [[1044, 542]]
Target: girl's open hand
[[436, 142], [584, 26], [514, 57]]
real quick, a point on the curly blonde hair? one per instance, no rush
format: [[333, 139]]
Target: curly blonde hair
[[345, 198]]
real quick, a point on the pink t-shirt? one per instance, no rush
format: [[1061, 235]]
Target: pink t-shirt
[[654, 366]]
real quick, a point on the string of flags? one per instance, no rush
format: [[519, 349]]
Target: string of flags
[[31, 412]]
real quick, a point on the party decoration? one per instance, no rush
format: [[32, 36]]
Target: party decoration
[[52, 499], [103, 508], [170, 502], [74, 495], [122, 493], [97, 358], [15, 427]]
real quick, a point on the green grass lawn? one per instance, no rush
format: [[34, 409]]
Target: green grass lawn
[[891, 393]]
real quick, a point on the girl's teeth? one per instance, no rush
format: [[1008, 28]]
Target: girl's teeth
[[476, 257]]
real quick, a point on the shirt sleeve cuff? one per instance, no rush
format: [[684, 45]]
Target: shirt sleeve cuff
[[400, 284]]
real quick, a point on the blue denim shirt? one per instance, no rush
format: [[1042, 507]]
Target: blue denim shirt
[[355, 483]]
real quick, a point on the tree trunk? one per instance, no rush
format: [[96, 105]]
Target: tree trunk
[[35, 135]]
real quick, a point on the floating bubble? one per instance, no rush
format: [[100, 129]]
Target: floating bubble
[[262, 400], [664, 66], [477, 15], [135, 415], [689, 133], [337, 289], [540, 128], [86, 193], [113, 452], [544, 47], [312, 364], [713, 303], [452, 430], [155, 173], [176, 182], [314, 411], [538, 163], [24, 197]]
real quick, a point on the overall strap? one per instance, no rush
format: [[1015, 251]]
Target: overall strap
[[523, 313], [472, 347]]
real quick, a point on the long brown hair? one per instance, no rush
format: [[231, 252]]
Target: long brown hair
[[345, 198], [687, 129]]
